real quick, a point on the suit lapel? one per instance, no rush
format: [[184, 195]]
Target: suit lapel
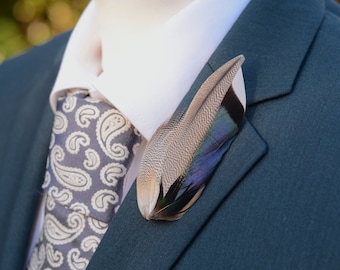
[[132, 242], [274, 40], [29, 122], [265, 34]]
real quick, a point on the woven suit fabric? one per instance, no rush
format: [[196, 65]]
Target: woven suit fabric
[[92, 146]]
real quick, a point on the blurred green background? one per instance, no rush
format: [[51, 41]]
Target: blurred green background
[[25, 23]]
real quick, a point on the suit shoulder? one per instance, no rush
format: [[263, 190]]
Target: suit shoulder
[[38, 59], [31, 73], [328, 37], [333, 7], [27, 79]]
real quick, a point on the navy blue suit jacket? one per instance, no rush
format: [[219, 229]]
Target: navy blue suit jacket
[[273, 202]]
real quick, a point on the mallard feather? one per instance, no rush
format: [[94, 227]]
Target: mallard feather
[[182, 155]]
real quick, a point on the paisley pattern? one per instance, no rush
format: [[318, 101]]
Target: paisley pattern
[[75, 140], [91, 149], [111, 124], [119, 152], [92, 160], [47, 180], [60, 123], [103, 198], [50, 203], [63, 196], [85, 113], [52, 141], [73, 178], [97, 226], [54, 257], [80, 208], [111, 173], [69, 104], [90, 242], [59, 234], [75, 262], [38, 258], [135, 148]]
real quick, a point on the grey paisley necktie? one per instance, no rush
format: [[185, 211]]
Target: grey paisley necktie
[[91, 148]]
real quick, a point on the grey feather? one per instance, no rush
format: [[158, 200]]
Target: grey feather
[[170, 151]]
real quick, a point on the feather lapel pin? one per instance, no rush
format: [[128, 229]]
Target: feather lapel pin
[[182, 155]]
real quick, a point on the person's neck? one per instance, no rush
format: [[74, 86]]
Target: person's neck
[[125, 22]]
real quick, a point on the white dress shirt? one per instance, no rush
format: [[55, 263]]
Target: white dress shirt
[[147, 78]]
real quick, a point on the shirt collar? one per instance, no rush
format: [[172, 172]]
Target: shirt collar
[[148, 80]]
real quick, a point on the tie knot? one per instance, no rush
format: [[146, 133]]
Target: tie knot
[[91, 149]]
